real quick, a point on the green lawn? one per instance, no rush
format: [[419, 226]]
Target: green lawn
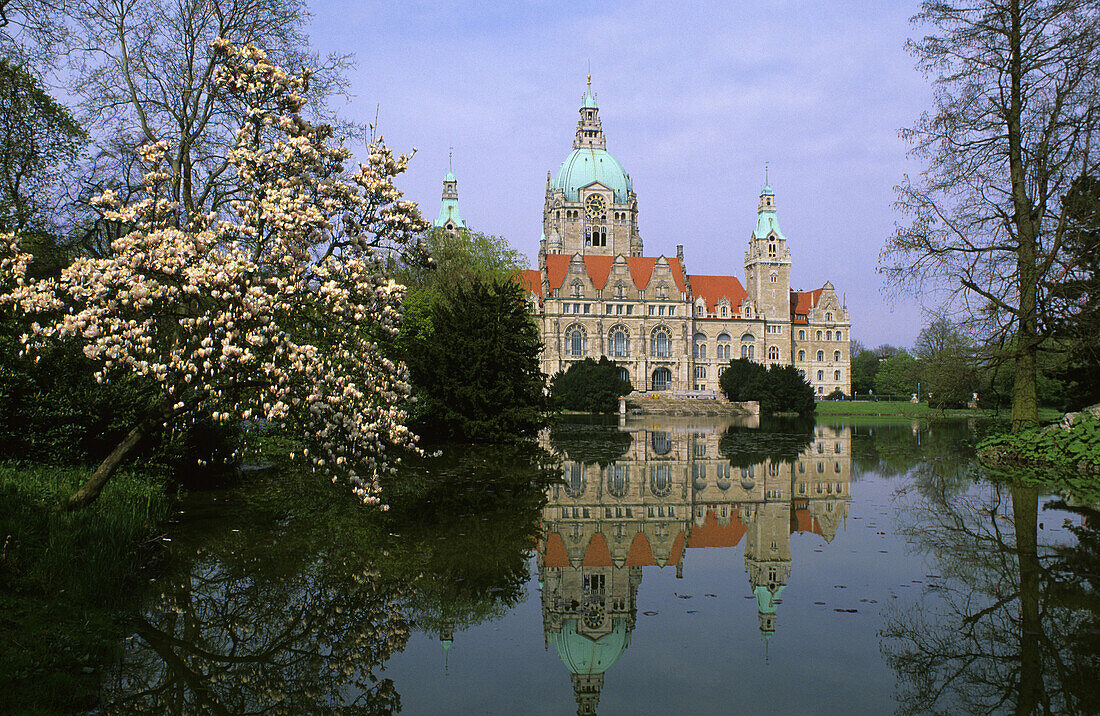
[[64, 576], [914, 410]]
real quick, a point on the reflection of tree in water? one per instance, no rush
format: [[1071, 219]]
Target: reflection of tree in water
[[999, 628], [469, 528], [893, 448], [588, 444], [297, 611], [774, 440]]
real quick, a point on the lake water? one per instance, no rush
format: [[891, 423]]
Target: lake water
[[662, 565]]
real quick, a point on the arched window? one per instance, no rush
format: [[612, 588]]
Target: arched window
[[821, 375], [747, 347], [836, 375], [819, 335], [838, 336], [773, 353], [723, 346], [620, 289], [771, 249], [618, 480], [662, 379], [700, 372], [662, 290], [802, 335], [575, 481], [619, 340], [828, 316], [660, 483], [802, 355], [774, 278], [624, 375], [699, 346], [661, 442], [836, 356], [821, 355], [828, 335], [724, 311], [577, 289], [575, 340], [660, 342]]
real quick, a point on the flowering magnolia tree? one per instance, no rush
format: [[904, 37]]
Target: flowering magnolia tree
[[274, 313]]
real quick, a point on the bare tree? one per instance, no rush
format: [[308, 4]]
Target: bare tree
[[31, 31], [144, 72], [1015, 106]]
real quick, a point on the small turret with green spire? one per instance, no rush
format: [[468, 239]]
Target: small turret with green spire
[[449, 217]]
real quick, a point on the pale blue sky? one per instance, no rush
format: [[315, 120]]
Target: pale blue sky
[[694, 98]]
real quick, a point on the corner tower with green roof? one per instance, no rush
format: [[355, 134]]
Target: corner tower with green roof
[[768, 275], [449, 217], [590, 203]]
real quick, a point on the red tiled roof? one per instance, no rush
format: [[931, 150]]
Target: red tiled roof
[[555, 551], [712, 534], [531, 281], [640, 554], [599, 268], [803, 300], [713, 288], [807, 522], [597, 554], [677, 550]]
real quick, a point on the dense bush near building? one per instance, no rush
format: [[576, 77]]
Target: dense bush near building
[[778, 389], [742, 380], [475, 365], [590, 386]]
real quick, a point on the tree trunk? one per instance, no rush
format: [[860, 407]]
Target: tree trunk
[[1025, 411], [88, 493], [1025, 507]]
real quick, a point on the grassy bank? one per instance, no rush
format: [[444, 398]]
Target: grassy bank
[[63, 579], [915, 410]]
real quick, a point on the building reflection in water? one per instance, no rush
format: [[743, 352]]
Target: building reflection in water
[[676, 487]]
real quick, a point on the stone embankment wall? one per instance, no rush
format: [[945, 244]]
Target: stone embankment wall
[[663, 404]]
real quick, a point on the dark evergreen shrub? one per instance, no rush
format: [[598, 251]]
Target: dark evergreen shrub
[[590, 386], [778, 389]]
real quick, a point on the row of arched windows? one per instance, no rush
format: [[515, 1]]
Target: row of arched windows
[[822, 336]]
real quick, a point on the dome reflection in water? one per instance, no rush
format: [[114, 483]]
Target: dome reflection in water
[[870, 562]]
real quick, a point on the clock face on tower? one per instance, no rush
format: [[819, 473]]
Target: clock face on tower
[[595, 206]]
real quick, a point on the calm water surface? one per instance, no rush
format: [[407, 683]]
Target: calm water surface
[[665, 565]]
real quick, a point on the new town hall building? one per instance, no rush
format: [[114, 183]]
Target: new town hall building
[[595, 292]]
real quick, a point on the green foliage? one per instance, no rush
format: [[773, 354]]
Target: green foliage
[[897, 375], [1076, 297], [778, 389], [461, 258], [837, 394], [786, 391], [37, 137], [742, 380], [590, 443], [1076, 450], [590, 386], [62, 576], [478, 378], [864, 368]]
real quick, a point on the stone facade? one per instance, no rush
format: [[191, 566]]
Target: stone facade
[[595, 293], [672, 493]]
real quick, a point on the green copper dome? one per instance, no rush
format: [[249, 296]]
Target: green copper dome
[[587, 165], [585, 656], [765, 600]]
